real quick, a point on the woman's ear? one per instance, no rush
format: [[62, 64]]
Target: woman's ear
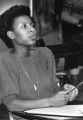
[[11, 35]]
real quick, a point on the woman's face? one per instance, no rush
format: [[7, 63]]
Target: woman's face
[[23, 30]]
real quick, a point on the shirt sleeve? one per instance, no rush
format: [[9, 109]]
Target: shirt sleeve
[[52, 71], [52, 68], [8, 81]]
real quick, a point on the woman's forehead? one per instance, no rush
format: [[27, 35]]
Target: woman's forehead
[[21, 19]]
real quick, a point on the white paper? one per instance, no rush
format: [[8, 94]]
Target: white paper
[[67, 110]]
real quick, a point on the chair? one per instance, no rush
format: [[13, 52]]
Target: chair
[[3, 46], [4, 113]]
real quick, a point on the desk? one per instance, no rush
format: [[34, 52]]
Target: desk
[[54, 113], [30, 116]]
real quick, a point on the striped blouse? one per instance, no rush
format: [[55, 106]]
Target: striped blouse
[[41, 81]]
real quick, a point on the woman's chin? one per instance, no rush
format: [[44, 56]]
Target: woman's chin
[[31, 43]]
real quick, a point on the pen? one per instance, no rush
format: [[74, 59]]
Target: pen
[[77, 86]]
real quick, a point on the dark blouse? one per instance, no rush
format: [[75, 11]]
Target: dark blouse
[[74, 6]]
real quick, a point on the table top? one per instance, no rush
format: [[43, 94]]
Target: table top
[[57, 113]]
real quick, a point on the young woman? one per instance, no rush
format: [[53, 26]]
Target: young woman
[[27, 74]]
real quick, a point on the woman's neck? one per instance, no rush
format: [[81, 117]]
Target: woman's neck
[[24, 51]]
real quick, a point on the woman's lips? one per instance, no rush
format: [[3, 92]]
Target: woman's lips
[[32, 37]]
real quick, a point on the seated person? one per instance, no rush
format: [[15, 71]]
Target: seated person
[[72, 17], [72, 11], [75, 62], [28, 73]]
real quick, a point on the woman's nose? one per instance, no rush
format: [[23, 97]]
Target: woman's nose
[[32, 29]]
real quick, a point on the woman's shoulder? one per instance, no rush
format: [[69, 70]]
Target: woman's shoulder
[[5, 56], [8, 61], [45, 50]]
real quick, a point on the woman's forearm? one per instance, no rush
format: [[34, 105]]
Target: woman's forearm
[[59, 99], [69, 18], [21, 105]]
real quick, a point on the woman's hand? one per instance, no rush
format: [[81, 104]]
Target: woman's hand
[[60, 99], [72, 94]]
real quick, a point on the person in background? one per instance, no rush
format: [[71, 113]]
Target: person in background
[[28, 73], [76, 73], [72, 17], [74, 63]]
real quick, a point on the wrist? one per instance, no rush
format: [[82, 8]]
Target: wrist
[[47, 102], [50, 101]]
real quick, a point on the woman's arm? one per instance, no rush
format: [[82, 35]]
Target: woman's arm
[[21, 105], [65, 15], [59, 99]]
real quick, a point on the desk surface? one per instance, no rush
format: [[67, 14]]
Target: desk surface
[[67, 110], [31, 116], [71, 112]]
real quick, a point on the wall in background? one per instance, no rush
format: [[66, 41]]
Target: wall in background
[[46, 24], [5, 4]]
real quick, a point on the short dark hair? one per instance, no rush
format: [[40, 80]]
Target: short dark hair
[[7, 18]]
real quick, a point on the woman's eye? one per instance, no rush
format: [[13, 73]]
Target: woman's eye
[[24, 26], [32, 25]]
